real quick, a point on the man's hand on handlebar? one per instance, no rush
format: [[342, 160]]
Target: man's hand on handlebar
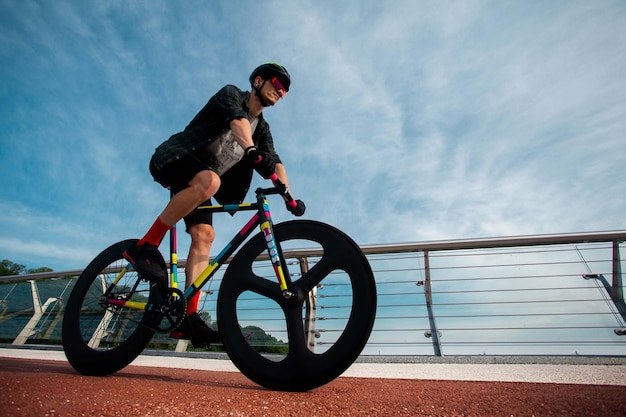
[[263, 162], [297, 209]]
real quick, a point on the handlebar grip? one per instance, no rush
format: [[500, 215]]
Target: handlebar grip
[[286, 195]]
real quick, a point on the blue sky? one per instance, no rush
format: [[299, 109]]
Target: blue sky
[[406, 121]]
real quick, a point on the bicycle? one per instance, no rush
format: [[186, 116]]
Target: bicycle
[[112, 312]]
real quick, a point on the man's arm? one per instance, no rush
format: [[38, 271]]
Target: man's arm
[[282, 174], [242, 132]]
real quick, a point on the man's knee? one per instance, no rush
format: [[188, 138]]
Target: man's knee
[[202, 236], [206, 184]]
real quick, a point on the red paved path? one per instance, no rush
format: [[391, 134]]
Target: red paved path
[[53, 388]]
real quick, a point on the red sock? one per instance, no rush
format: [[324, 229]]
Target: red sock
[[156, 233], [193, 304]]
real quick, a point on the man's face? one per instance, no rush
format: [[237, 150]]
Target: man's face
[[278, 86], [272, 90]]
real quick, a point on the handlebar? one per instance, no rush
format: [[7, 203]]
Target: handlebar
[[283, 190], [280, 187]]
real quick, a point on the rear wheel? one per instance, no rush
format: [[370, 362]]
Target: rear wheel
[[298, 354], [101, 338]]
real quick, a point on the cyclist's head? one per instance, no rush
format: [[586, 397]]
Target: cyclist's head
[[269, 71]]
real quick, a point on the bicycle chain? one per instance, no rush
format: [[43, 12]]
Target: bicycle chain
[[178, 311]]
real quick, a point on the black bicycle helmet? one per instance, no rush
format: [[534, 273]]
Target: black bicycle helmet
[[270, 70]]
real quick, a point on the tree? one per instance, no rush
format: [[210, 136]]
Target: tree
[[263, 342], [40, 269], [9, 268]]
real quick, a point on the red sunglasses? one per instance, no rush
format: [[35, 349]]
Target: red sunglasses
[[277, 85]]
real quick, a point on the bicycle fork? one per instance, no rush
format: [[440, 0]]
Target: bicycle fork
[[273, 252]]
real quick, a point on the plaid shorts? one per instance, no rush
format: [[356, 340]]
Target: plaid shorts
[[176, 175]]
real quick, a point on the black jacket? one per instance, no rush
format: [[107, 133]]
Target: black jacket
[[227, 104]]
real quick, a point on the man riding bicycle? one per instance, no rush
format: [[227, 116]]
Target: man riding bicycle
[[213, 157]]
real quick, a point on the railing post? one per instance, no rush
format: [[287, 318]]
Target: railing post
[[434, 333], [311, 309], [38, 311], [101, 329], [617, 294]]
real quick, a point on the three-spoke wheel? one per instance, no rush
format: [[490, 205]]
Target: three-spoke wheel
[[275, 340]]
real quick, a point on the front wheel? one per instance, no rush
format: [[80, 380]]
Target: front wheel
[[100, 338], [302, 342]]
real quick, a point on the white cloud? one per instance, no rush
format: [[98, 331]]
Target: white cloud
[[414, 122]]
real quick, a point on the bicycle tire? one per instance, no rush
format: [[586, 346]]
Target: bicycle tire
[[300, 369], [100, 341]]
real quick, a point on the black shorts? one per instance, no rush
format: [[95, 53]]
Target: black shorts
[[176, 175]]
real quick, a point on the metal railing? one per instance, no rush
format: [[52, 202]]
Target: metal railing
[[557, 294]]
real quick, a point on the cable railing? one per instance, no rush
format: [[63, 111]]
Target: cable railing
[[532, 295]]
